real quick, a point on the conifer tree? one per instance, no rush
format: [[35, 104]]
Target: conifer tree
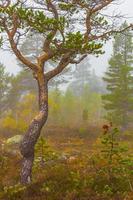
[[5, 79], [81, 77], [119, 78]]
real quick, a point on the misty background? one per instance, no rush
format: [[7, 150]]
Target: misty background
[[123, 7]]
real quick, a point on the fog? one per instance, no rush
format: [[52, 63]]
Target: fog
[[99, 64]]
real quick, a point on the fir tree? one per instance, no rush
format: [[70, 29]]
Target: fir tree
[[81, 77], [5, 85], [119, 79]]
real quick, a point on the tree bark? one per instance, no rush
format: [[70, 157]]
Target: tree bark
[[30, 138]]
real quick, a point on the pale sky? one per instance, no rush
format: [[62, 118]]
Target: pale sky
[[100, 64]]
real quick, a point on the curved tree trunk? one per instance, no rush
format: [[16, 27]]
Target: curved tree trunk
[[30, 138]]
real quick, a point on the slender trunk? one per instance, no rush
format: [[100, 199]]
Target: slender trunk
[[30, 138]]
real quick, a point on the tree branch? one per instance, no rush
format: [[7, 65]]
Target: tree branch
[[16, 51], [62, 64], [7, 4], [103, 4], [106, 34], [79, 60], [47, 42]]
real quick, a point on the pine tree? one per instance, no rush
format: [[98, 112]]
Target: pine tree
[[119, 79], [5, 79], [81, 77], [96, 83], [20, 85]]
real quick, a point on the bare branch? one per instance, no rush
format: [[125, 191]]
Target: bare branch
[[101, 5], [5, 5], [16, 51], [62, 64], [79, 60], [108, 33]]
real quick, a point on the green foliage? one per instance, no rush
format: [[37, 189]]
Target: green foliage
[[66, 40], [119, 99], [75, 41], [36, 19], [5, 84], [67, 184], [21, 84], [44, 153], [112, 175], [1, 41], [14, 192], [66, 7], [3, 159], [104, 172]]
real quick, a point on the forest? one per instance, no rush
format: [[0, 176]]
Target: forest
[[66, 133]]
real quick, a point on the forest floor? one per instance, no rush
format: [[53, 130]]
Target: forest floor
[[71, 175]]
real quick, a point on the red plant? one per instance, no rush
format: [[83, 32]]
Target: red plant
[[105, 128]]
